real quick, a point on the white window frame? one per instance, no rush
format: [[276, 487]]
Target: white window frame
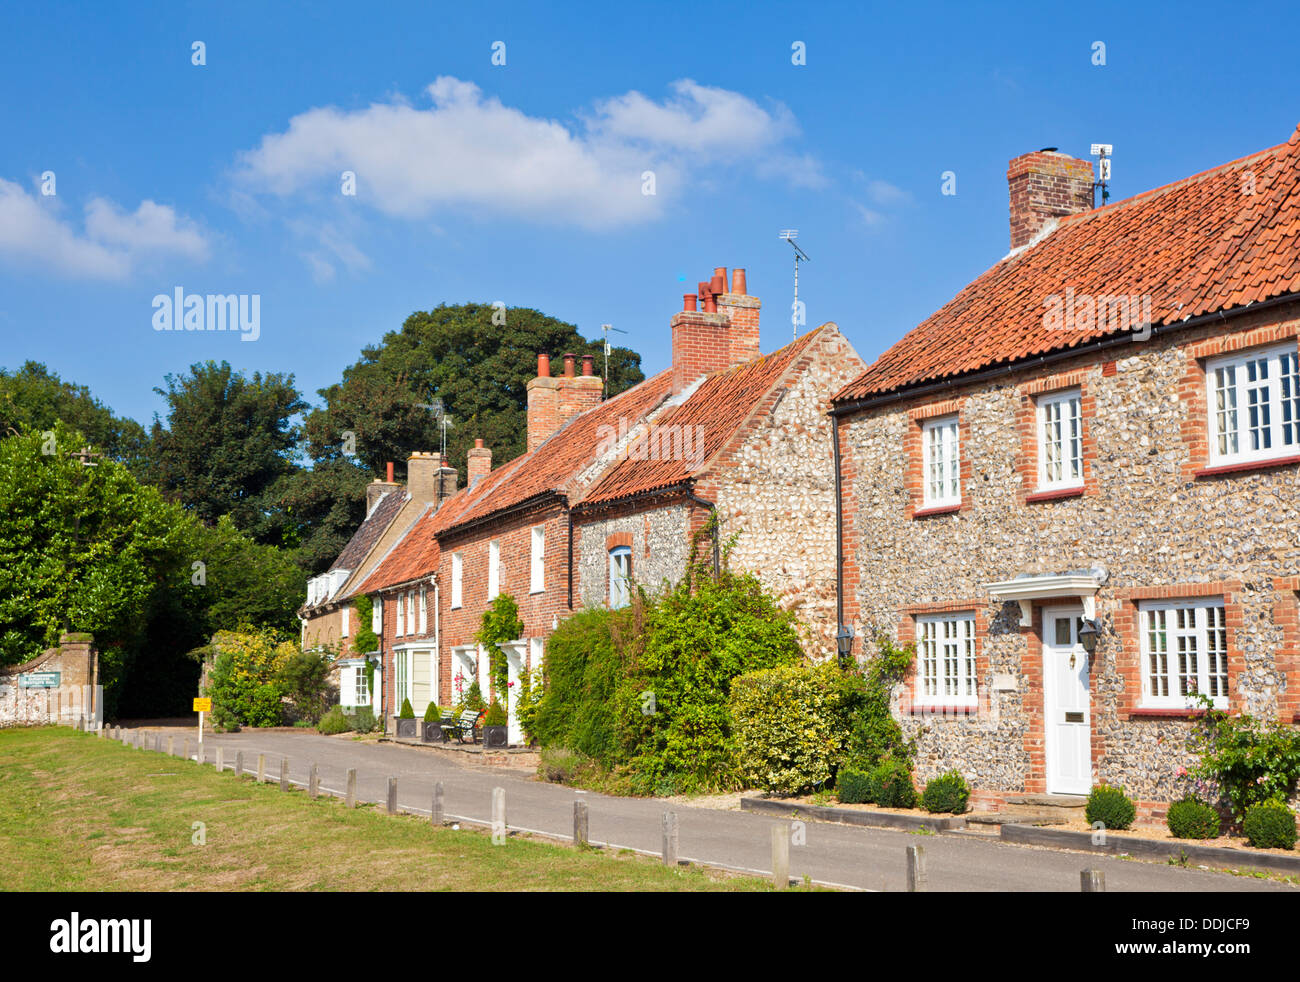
[[941, 461], [457, 579], [494, 569], [1060, 440], [947, 660], [620, 580], [360, 692], [401, 678], [410, 612], [537, 561], [400, 626], [423, 616], [1199, 625], [377, 616], [345, 621], [1264, 411]]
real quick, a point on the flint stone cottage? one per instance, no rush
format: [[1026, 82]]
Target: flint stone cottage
[[1101, 432], [610, 493]]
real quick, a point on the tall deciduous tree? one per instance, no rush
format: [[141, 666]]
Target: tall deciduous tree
[[229, 439], [467, 359]]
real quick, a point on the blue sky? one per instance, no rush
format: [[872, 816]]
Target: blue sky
[[522, 182]]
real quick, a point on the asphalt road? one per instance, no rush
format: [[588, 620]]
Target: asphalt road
[[846, 856]]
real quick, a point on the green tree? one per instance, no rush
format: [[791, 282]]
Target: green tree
[[319, 509], [478, 370], [34, 398], [228, 441]]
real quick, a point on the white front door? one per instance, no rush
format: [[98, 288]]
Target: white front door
[[1067, 711], [514, 672]]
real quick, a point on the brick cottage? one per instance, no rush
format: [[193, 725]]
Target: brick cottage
[[1098, 438], [610, 493]]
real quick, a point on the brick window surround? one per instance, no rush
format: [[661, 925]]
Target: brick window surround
[[1191, 393], [1286, 614], [907, 626], [1128, 625], [914, 452], [1027, 426]]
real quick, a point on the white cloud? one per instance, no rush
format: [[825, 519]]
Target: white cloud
[[33, 234], [471, 152]]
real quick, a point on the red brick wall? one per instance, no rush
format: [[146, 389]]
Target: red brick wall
[[1045, 186], [701, 344]]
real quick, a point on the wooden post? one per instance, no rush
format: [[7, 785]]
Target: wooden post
[[1092, 881], [284, 773], [313, 782], [187, 748], [261, 768], [99, 733], [351, 798], [200, 755], [392, 796], [498, 816], [171, 746], [781, 856], [916, 881], [139, 739], [435, 815], [239, 763], [670, 839], [221, 759], [580, 823]]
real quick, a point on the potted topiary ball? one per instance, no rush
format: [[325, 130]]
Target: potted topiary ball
[[431, 727], [406, 726], [496, 731]]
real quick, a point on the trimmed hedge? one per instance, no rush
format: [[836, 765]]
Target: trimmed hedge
[[1110, 806], [893, 784], [407, 711], [432, 713], [1192, 819], [946, 793], [789, 725], [1269, 825], [333, 722]]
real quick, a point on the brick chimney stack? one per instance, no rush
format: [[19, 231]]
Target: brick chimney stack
[[376, 489], [1045, 185], [578, 393], [447, 479], [543, 404], [422, 476], [479, 462], [715, 328]]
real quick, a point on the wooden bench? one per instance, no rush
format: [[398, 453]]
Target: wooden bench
[[467, 724]]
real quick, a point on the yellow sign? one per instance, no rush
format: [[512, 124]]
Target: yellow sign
[[203, 705]]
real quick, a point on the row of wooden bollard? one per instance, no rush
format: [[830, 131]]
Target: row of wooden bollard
[[1090, 880]]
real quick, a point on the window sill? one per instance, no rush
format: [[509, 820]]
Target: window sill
[[937, 510], [1249, 465], [1153, 712], [942, 710], [1054, 495]]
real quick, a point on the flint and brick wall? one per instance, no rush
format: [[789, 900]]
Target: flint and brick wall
[[1149, 514]]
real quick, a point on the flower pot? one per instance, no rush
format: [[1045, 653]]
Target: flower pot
[[407, 727], [496, 737], [432, 732]]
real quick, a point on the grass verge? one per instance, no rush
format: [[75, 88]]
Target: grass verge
[[82, 813]]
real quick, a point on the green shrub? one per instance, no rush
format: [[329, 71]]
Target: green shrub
[[873, 732], [472, 699], [406, 712], [892, 778], [1269, 825], [432, 713], [364, 640], [1192, 819], [365, 720], [1246, 760], [563, 766], [789, 725], [245, 682], [1110, 806], [334, 722], [496, 715], [946, 793], [855, 787], [304, 679]]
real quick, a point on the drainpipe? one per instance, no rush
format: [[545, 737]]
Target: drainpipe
[[839, 527]]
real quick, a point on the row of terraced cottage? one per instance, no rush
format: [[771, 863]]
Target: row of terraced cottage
[[1074, 487]]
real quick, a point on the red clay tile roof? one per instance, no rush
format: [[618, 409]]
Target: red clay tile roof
[[708, 418], [370, 530], [1196, 246], [555, 464]]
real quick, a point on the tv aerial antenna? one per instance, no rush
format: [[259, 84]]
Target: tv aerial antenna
[[606, 328], [790, 234], [1103, 152], [442, 416]]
